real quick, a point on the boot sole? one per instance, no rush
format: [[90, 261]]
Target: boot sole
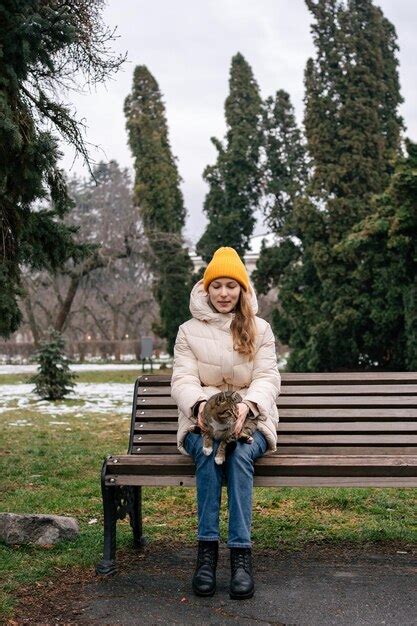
[[205, 594], [241, 596]]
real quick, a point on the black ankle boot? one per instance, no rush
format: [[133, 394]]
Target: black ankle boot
[[241, 583], [204, 579]]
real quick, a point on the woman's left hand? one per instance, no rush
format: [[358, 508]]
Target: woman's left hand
[[243, 410]]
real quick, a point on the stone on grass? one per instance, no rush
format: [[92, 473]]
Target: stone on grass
[[40, 530]]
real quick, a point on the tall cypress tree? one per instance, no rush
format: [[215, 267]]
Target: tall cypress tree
[[351, 115], [363, 98], [285, 168], [285, 176], [234, 180], [158, 195], [367, 120], [353, 132]]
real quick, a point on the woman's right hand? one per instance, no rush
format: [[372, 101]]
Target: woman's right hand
[[200, 421]]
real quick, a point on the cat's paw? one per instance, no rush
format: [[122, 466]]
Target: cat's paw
[[246, 439], [207, 451], [219, 460]]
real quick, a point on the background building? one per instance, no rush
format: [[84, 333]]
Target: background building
[[251, 256]]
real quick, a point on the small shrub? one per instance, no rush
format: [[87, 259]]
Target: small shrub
[[54, 378]]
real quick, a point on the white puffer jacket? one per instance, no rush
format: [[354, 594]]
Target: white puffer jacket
[[206, 363]]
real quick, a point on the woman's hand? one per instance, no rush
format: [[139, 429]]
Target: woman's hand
[[243, 411], [200, 421]]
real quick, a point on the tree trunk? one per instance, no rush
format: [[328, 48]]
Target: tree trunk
[[66, 305], [31, 319], [116, 335]]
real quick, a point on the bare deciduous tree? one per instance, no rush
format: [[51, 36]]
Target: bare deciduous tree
[[108, 295]]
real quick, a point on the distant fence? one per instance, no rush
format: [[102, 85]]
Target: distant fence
[[126, 349]]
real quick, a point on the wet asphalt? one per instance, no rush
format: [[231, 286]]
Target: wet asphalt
[[324, 587]]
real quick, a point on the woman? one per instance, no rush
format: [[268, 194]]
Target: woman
[[225, 346]]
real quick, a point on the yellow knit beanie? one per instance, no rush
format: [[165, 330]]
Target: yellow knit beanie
[[226, 262]]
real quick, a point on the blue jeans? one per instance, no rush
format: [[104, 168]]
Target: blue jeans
[[238, 472]]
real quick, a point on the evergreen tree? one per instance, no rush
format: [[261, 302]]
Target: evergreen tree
[[54, 378], [235, 179], [353, 89], [157, 194], [353, 132], [285, 169], [365, 96], [288, 215], [44, 44], [383, 250]]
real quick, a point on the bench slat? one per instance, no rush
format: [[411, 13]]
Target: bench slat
[[348, 413], [348, 426], [374, 439], [168, 427], [273, 481], [307, 401], [319, 377], [336, 390], [348, 377], [294, 449], [300, 390], [306, 413], [127, 461], [160, 414]]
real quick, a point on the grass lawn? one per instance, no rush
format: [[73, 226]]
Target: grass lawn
[[95, 376], [51, 463]]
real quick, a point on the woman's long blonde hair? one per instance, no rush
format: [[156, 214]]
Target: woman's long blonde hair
[[243, 325]]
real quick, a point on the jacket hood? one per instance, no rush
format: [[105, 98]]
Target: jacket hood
[[201, 309]]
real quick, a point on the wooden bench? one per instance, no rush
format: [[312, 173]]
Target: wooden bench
[[335, 430]]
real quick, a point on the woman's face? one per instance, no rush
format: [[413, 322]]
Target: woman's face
[[224, 294]]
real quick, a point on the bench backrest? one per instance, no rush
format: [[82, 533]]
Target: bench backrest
[[361, 413]]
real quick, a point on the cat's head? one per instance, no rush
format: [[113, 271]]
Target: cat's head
[[224, 404]]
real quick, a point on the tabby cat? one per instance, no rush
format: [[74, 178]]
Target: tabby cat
[[219, 418]]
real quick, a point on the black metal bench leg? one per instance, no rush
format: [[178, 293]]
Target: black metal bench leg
[[107, 565], [135, 515]]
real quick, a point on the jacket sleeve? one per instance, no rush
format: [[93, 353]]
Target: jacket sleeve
[[265, 386], [186, 388]]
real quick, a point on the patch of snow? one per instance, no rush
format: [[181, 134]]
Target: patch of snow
[[108, 398], [20, 423]]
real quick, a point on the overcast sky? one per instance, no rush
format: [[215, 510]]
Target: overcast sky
[[187, 46]]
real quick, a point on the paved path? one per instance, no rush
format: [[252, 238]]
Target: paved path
[[319, 588]]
